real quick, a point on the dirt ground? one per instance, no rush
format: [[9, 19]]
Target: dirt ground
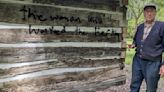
[[125, 88]]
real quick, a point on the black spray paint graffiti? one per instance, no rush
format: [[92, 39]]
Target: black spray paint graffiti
[[29, 13], [46, 31], [51, 31]]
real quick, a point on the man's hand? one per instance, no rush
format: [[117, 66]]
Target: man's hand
[[131, 46], [162, 71]]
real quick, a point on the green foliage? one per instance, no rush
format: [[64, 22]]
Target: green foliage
[[129, 56], [160, 14], [131, 29], [129, 53]]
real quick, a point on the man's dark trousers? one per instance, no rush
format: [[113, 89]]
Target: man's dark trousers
[[145, 69]]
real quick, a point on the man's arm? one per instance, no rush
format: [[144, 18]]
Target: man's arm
[[162, 36]]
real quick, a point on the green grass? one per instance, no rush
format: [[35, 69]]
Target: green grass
[[129, 53]]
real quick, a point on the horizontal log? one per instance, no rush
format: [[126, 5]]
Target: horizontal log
[[48, 72], [22, 27], [57, 15], [64, 51], [60, 34], [68, 80], [36, 57], [11, 72], [17, 65], [98, 86], [86, 62], [26, 58], [67, 62], [23, 68], [111, 5]]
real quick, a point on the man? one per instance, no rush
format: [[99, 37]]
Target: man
[[149, 44]]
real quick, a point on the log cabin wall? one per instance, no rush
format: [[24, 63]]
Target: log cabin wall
[[62, 45]]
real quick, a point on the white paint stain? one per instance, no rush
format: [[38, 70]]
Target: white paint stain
[[64, 44]]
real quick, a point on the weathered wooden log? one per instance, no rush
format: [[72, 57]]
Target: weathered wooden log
[[23, 68], [113, 5], [36, 57], [99, 85], [25, 54], [57, 15], [105, 50], [68, 34], [27, 58], [67, 81]]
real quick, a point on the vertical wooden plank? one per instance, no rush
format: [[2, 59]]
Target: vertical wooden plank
[[124, 33]]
